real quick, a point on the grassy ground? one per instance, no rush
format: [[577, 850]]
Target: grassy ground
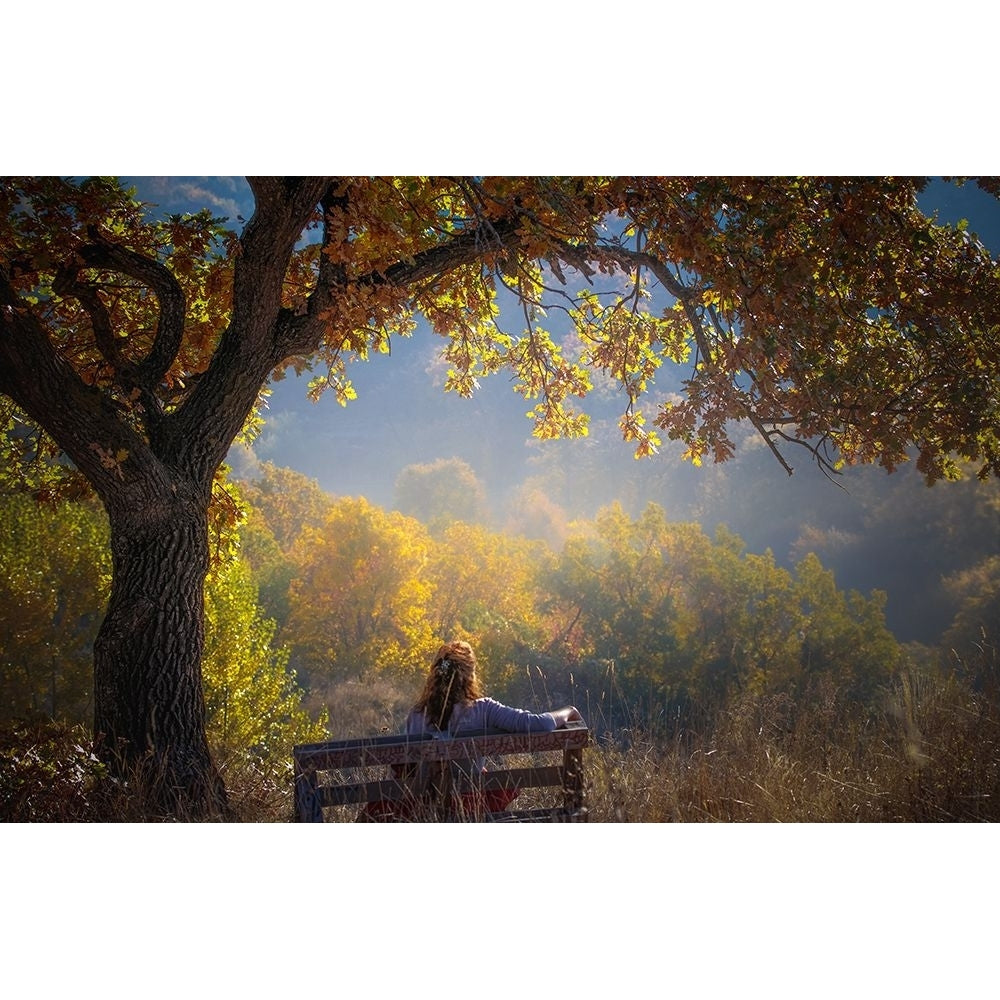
[[931, 756], [930, 752]]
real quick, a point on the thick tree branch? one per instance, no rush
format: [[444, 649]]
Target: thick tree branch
[[767, 436], [200, 431], [66, 285], [170, 324], [303, 334], [79, 417]]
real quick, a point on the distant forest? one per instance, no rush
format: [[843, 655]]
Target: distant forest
[[875, 531], [322, 610]]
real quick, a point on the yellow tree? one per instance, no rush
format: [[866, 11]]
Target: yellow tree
[[359, 599], [828, 313], [286, 501], [485, 589]]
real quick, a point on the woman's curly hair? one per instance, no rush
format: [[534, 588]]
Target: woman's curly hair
[[453, 680]]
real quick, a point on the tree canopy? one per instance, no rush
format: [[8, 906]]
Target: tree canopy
[[829, 313], [825, 311]]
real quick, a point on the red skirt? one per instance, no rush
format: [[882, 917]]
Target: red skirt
[[403, 811]]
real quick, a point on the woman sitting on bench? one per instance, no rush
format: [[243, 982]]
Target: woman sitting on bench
[[452, 703]]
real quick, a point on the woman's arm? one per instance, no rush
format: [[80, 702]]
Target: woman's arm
[[492, 714], [564, 715]]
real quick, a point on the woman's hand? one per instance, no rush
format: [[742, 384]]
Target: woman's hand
[[568, 714]]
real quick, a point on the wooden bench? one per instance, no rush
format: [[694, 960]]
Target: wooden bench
[[430, 778]]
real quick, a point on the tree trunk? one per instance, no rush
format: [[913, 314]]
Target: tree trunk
[[149, 711]]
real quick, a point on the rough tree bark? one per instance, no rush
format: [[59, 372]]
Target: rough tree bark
[[149, 711]]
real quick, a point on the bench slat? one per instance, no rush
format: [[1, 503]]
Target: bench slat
[[402, 749], [364, 791], [391, 789]]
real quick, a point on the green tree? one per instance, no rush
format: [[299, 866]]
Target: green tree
[[843, 635], [614, 594], [55, 575], [687, 617], [974, 634], [282, 503], [441, 492], [828, 313], [272, 568], [253, 702]]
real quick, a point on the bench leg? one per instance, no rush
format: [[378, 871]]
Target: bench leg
[[573, 786], [307, 807]]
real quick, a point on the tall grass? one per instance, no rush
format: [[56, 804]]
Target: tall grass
[[930, 752], [927, 751]]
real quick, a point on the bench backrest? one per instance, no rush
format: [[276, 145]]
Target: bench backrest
[[428, 771]]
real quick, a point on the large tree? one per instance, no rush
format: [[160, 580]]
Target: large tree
[[830, 314]]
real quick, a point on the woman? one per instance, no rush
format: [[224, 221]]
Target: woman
[[452, 702]]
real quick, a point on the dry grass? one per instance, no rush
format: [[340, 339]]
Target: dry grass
[[50, 774], [362, 708], [930, 751]]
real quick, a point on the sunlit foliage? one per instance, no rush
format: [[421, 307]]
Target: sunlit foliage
[[54, 581], [684, 616], [828, 314], [286, 501], [485, 589], [253, 701], [360, 596]]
